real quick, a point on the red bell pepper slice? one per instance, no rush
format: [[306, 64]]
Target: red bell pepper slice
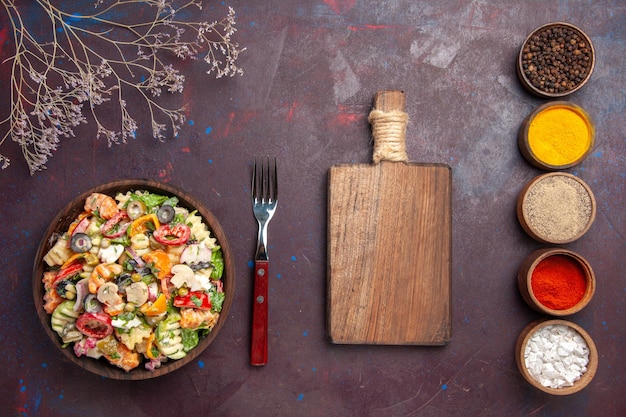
[[172, 236], [112, 228], [193, 299], [72, 269], [78, 226], [96, 325]]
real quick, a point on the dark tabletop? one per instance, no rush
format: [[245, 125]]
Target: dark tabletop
[[311, 70]]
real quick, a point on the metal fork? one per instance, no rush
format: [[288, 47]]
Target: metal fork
[[264, 201]]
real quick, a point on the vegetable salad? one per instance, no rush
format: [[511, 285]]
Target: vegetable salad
[[135, 279]]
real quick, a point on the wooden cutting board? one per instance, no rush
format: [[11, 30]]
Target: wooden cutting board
[[389, 246]]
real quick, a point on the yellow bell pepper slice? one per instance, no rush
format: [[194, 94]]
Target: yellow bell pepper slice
[[139, 225], [155, 309], [160, 262], [149, 345], [71, 259]]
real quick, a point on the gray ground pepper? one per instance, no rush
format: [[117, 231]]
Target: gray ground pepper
[[557, 208]]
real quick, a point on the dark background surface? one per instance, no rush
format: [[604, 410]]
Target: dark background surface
[[311, 71]]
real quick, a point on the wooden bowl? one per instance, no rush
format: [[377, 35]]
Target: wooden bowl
[[524, 280], [581, 58], [578, 385], [529, 146], [556, 208], [61, 223]]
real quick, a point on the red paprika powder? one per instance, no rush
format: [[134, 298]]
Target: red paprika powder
[[558, 282]]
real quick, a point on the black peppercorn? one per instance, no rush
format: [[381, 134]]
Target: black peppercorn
[[556, 59]]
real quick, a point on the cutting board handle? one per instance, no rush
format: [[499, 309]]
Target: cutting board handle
[[389, 120]]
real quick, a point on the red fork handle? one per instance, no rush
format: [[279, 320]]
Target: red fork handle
[[258, 351]]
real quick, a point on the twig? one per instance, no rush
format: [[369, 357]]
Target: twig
[[54, 83]]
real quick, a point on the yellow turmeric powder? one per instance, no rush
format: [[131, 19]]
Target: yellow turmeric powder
[[560, 135]]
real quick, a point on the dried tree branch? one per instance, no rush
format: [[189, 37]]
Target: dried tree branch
[[95, 59]]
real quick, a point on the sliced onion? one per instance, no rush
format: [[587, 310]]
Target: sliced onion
[[92, 305], [136, 258], [82, 289], [153, 291]]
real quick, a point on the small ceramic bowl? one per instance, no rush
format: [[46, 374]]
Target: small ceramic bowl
[[573, 260], [556, 208], [555, 60], [564, 146], [521, 356]]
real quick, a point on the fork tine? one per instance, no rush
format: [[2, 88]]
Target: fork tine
[[266, 180], [275, 182], [270, 191], [254, 187]]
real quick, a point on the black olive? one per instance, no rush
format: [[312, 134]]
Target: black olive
[[80, 243], [60, 287], [123, 280], [166, 213], [199, 265], [143, 270], [135, 209]]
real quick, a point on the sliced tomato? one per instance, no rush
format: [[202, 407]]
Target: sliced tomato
[[172, 236], [96, 325]]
